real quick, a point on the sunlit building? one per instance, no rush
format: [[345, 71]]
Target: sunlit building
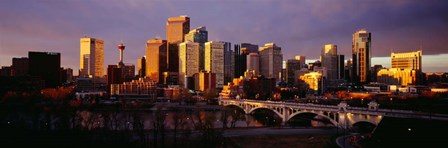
[[329, 60], [142, 88], [396, 76], [156, 59], [176, 28], [91, 59], [312, 81], [214, 60], [188, 62], [271, 60], [205, 81], [407, 60], [361, 52], [198, 35]]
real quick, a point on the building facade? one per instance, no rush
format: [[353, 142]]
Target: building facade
[[292, 65], [199, 35], [241, 52], [229, 63], [20, 66], [156, 59], [91, 59], [176, 28], [214, 60], [141, 67], [46, 65], [188, 62], [361, 54], [396, 76], [205, 81], [271, 60], [253, 63], [407, 60], [329, 58]]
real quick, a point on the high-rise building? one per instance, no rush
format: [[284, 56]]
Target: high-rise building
[[91, 59], [46, 65], [361, 50], [176, 28], [188, 62], [141, 67], [214, 60], [301, 59], [156, 59], [241, 52], [198, 35], [271, 59], [173, 57], [292, 65], [407, 60], [329, 58], [68, 72], [341, 67], [20, 66], [253, 63], [229, 63]]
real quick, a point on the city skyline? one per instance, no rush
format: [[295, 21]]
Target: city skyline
[[300, 28]]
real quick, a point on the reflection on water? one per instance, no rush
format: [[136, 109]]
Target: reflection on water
[[183, 119]]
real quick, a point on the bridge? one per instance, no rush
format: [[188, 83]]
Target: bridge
[[341, 115]]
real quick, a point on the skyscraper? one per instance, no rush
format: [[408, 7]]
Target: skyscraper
[[292, 65], [91, 59], [198, 35], [241, 52], [253, 63], [214, 60], [229, 63], [341, 67], [330, 60], [46, 65], [301, 59], [156, 59], [188, 62], [176, 28], [271, 59], [141, 66], [361, 50]]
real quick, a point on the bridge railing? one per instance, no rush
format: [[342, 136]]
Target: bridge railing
[[358, 110]]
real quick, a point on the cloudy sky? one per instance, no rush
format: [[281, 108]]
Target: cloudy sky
[[300, 27]]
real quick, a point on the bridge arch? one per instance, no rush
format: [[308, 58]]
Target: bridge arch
[[335, 123], [236, 106], [275, 111]]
